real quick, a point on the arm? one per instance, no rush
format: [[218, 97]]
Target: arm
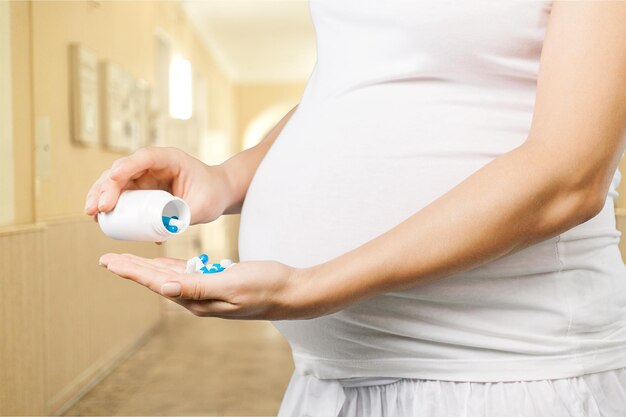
[[210, 191], [239, 170], [556, 180]]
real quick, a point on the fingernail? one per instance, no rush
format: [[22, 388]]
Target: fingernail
[[103, 199], [171, 289]]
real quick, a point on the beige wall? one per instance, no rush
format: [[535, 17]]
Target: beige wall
[[65, 321], [91, 316], [122, 33], [22, 252], [22, 112], [254, 99]]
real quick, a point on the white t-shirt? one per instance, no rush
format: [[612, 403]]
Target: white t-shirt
[[406, 100]]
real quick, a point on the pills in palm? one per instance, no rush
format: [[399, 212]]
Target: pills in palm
[[200, 264]]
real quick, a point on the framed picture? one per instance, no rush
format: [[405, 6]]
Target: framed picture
[[123, 109], [85, 103]]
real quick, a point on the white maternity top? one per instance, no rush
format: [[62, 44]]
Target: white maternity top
[[406, 100]]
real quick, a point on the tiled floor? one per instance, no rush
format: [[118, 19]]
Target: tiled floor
[[197, 366]]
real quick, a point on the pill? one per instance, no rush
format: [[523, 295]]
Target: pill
[[166, 220], [172, 228], [199, 264], [194, 264], [175, 222], [191, 266]]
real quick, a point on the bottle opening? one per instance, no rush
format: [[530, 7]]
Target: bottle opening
[[175, 216]]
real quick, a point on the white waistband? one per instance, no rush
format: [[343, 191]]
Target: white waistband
[[366, 381], [325, 397], [604, 393]]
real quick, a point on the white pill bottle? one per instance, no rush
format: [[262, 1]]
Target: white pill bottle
[[142, 215]]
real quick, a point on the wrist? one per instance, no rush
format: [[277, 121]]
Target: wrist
[[307, 295], [320, 290], [229, 191], [234, 194], [212, 198]]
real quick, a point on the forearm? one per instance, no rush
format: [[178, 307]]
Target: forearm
[[239, 170], [516, 200]]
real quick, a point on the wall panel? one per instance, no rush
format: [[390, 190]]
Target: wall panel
[[91, 315], [22, 270], [65, 321]]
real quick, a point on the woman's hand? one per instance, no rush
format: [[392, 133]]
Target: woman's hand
[[205, 188], [263, 290]]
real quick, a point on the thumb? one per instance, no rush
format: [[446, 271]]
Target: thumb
[[196, 287], [171, 289]]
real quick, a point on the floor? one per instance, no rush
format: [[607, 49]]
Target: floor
[[197, 366]]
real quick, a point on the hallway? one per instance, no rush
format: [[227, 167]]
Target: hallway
[[87, 83], [197, 366]]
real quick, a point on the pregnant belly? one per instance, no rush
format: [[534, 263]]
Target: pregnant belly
[[303, 212], [348, 168], [342, 173]]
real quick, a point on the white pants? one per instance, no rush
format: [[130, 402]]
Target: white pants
[[601, 394]]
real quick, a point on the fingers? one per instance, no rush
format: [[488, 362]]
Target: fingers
[[195, 292], [93, 195], [197, 287], [156, 273], [141, 272], [211, 308], [105, 191], [102, 197], [125, 168], [176, 265], [110, 191], [133, 166]]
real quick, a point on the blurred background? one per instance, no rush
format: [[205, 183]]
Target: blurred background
[[83, 83], [86, 82]]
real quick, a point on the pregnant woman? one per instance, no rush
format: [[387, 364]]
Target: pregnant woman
[[432, 228]]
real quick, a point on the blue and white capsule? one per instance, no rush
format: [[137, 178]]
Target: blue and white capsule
[[172, 224], [199, 264], [226, 263], [214, 269], [196, 264]]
